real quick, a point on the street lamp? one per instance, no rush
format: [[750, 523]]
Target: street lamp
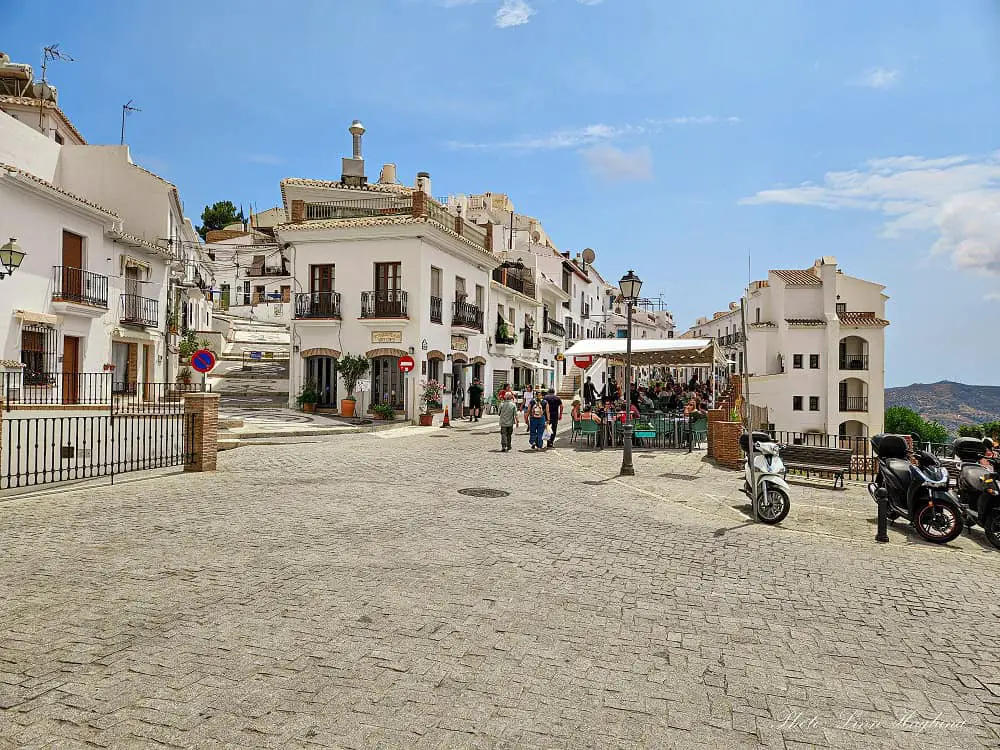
[[629, 286], [11, 256]]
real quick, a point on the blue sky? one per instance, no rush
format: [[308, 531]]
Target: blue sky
[[672, 137]]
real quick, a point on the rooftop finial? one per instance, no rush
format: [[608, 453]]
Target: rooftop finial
[[357, 130]]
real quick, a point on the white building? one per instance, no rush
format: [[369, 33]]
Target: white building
[[253, 275], [816, 350]]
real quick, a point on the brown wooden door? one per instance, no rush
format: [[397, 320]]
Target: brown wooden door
[[388, 303], [71, 370], [72, 266], [321, 279]]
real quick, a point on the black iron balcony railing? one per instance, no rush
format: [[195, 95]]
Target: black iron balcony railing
[[555, 327], [139, 311], [854, 403], [257, 271], [435, 309], [317, 305], [853, 361], [519, 281], [360, 208], [384, 303], [466, 315], [76, 285], [531, 341], [504, 337]]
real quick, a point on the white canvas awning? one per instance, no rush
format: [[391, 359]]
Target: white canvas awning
[[28, 316], [532, 365], [669, 352]]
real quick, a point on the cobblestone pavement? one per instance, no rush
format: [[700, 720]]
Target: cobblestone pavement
[[344, 594]]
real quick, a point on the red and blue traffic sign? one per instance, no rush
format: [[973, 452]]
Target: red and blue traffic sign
[[203, 360]]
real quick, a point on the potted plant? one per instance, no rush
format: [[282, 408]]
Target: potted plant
[[187, 346], [184, 376], [308, 396], [351, 367], [172, 320], [384, 411], [431, 397]]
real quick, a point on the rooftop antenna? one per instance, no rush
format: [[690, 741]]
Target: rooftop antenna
[[51, 52], [127, 109]]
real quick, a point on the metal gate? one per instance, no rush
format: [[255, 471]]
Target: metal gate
[[42, 450]]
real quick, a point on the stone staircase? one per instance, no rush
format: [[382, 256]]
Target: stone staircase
[[246, 383], [571, 384]]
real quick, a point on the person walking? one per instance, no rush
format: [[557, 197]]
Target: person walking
[[589, 392], [527, 398], [475, 400], [536, 424], [509, 419], [553, 412]]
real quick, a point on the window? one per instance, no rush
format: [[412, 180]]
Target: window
[[670, 334], [757, 311], [814, 403], [321, 278], [59, 139], [841, 307], [434, 369], [796, 403], [480, 296], [38, 354], [387, 277], [460, 293], [813, 361], [435, 282], [797, 362]]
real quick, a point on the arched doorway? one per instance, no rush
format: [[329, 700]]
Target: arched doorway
[[853, 353], [853, 394], [321, 370], [388, 383]]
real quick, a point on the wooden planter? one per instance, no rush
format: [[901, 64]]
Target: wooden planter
[[308, 407]]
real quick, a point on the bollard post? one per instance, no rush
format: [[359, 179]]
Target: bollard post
[[882, 499]]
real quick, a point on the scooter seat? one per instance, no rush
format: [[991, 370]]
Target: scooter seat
[[900, 469]]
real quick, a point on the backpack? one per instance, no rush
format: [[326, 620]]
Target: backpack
[[536, 410]]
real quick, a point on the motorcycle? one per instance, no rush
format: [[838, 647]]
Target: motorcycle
[[976, 487], [917, 492], [772, 499]]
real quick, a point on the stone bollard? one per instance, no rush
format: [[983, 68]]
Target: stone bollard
[[201, 439]]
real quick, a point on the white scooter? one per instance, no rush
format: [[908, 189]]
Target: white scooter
[[772, 498]]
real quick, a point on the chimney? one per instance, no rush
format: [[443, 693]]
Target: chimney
[[388, 174], [424, 182], [353, 169]]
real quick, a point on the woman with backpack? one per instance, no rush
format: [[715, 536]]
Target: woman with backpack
[[536, 424]]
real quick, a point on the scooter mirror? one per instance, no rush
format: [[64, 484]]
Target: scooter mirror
[[881, 493]]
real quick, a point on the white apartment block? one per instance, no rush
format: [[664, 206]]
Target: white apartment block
[[110, 260], [815, 350], [253, 275]]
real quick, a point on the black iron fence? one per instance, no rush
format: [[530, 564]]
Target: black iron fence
[[139, 311], [152, 398], [853, 361], [42, 450], [76, 285], [383, 303], [360, 208], [466, 315], [854, 403], [435, 309], [72, 389], [317, 305], [555, 328], [864, 462]]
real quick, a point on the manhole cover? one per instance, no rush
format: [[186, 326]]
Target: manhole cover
[[482, 492]]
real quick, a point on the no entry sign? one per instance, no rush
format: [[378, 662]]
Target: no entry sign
[[583, 362], [203, 360], [406, 363]]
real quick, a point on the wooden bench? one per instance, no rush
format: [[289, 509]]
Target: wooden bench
[[819, 460]]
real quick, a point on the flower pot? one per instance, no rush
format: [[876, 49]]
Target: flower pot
[[426, 420], [347, 407], [308, 407]]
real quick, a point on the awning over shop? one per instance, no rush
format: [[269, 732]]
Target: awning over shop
[[27, 316], [669, 352], [532, 365]]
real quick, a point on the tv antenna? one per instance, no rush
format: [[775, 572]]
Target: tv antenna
[[127, 109], [41, 89], [52, 52]]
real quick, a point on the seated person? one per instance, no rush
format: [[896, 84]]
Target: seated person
[[575, 411], [589, 413]]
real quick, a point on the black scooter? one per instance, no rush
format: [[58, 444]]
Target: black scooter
[[977, 490], [918, 493]]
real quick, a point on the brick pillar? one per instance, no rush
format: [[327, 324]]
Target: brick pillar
[[736, 385], [727, 444], [202, 439], [714, 416], [419, 203], [298, 211], [488, 226]]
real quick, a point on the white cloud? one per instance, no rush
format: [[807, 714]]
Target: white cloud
[[992, 297], [955, 197], [597, 133], [514, 13], [879, 78], [612, 163]]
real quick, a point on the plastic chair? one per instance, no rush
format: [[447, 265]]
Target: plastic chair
[[699, 431], [576, 429], [590, 429]]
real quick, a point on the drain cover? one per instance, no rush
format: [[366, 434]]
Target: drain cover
[[687, 477], [483, 492]]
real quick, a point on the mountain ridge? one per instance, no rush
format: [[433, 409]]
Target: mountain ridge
[[951, 403]]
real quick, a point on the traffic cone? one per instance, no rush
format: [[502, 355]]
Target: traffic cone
[[447, 421]]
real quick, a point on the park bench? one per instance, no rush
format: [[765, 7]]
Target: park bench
[[818, 460]]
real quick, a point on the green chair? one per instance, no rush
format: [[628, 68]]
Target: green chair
[[577, 428], [590, 429], [699, 431]]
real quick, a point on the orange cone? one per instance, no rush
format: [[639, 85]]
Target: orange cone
[[447, 421]]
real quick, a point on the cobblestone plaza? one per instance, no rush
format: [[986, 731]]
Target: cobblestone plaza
[[342, 593]]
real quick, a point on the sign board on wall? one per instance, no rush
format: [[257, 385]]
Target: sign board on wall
[[387, 337], [459, 344]]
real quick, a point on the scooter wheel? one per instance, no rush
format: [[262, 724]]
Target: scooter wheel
[[938, 522], [991, 525], [773, 506]]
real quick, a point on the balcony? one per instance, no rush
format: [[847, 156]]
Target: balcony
[[554, 328], [262, 271], [466, 315], [854, 403], [317, 306], [850, 361], [517, 279], [504, 336], [531, 341], [139, 311], [79, 286], [585, 313], [731, 339], [384, 303], [436, 309]]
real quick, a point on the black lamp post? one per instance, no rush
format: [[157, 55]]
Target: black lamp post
[[629, 286]]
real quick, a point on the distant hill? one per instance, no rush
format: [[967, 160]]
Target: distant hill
[[951, 404]]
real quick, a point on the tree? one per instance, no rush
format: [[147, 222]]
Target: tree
[[902, 421], [218, 216], [934, 432], [970, 430]]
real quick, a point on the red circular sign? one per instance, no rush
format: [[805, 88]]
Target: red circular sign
[[203, 360], [583, 362], [406, 363]]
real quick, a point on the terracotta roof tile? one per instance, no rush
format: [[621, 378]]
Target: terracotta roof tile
[[763, 324], [811, 322], [56, 188], [28, 101], [806, 277], [862, 319]]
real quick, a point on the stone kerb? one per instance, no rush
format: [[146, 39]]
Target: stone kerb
[[202, 440]]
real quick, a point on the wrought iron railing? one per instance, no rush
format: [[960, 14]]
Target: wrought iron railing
[[28, 389], [152, 398], [466, 315], [854, 403], [76, 285], [853, 361], [360, 208], [257, 271], [531, 341], [516, 280], [139, 311], [384, 303], [555, 327], [435, 309], [317, 305]]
